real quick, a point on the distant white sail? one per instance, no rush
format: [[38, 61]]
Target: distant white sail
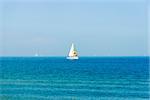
[[72, 53]]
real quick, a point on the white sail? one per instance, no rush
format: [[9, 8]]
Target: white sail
[[72, 53], [71, 50]]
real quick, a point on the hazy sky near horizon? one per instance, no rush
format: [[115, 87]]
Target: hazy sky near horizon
[[102, 28]]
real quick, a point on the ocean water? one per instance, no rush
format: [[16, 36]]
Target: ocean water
[[89, 78]]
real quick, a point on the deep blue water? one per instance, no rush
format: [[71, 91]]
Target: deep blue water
[[89, 78]]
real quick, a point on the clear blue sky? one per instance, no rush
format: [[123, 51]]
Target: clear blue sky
[[97, 27]]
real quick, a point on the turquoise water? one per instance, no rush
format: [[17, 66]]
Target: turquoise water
[[89, 78]]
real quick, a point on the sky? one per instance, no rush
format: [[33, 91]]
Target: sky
[[96, 27]]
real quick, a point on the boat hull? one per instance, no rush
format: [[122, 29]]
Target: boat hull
[[73, 58]]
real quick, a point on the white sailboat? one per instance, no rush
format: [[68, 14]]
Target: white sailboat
[[72, 53]]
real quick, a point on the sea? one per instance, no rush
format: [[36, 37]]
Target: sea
[[89, 78]]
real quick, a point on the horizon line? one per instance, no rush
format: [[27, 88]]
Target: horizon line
[[84, 56]]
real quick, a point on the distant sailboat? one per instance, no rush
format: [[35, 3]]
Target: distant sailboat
[[72, 53]]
